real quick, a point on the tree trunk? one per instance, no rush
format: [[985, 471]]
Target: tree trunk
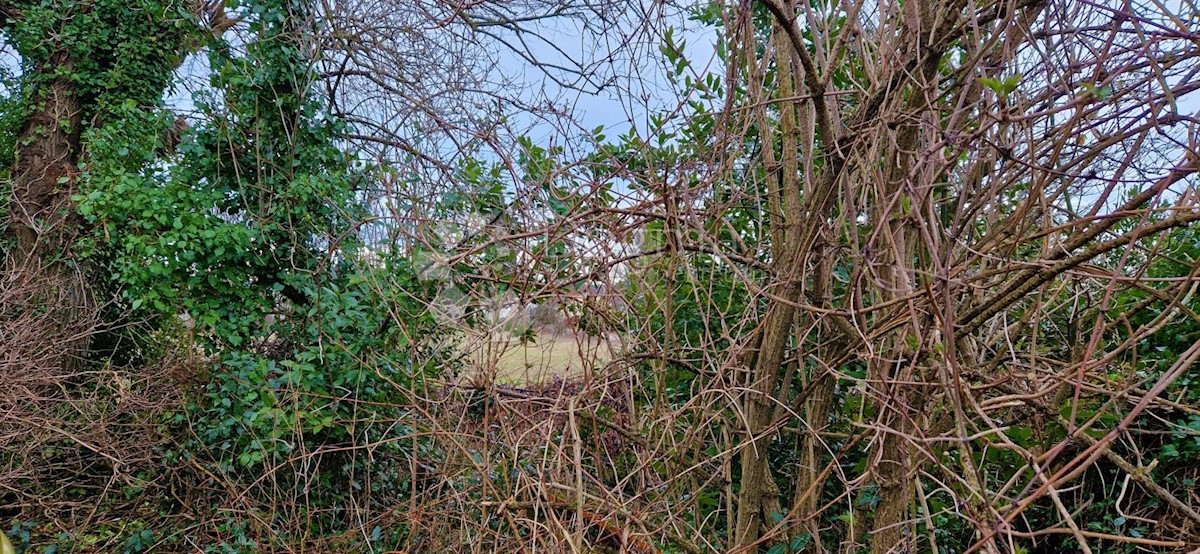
[[892, 534], [759, 495], [42, 224]]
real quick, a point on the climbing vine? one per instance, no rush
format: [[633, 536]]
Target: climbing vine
[[234, 228]]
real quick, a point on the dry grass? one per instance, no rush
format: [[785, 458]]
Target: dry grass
[[548, 357]]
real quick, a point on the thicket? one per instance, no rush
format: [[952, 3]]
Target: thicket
[[898, 277]]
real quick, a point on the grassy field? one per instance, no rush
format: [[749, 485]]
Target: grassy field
[[548, 357]]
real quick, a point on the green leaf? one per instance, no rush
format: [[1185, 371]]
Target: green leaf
[[1010, 83], [994, 84]]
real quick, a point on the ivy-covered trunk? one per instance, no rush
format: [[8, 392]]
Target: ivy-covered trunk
[[42, 225], [82, 64], [45, 170]]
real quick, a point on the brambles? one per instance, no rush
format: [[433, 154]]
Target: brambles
[[877, 277]]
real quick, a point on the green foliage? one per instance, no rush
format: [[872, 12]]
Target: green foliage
[[1002, 87], [248, 231], [139, 542], [795, 545], [12, 114], [342, 362], [121, 52], [238, 539], [245, 214]]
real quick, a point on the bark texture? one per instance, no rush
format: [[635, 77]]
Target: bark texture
[[42, 223]]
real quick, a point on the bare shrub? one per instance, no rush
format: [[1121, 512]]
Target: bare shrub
[[77, 435]]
